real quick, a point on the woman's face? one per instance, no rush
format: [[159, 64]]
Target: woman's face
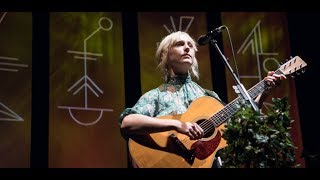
[[181, 55]]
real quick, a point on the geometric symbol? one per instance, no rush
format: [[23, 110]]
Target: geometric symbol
[[174, 29], [10, 64], [7, 114], [84, 109], [9, 58], [2, 17], [254, 43], [85, 82]]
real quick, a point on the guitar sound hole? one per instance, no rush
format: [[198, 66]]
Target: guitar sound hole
[[207, 126]]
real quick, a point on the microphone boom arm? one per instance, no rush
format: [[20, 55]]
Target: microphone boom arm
[[241, 89]]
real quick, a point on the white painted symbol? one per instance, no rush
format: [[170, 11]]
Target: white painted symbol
[[181, 18], [9, 64], [254, 41], [7, 114], [2, 16], [86, 83], [174, 29]]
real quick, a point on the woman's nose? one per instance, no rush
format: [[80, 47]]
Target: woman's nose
[[186, 48]]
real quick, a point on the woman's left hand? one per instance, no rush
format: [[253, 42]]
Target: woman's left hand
[[274, 79]]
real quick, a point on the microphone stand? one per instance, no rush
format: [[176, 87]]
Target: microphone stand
[[239, 88]]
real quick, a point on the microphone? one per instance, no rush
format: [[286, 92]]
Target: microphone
[[205, 39]]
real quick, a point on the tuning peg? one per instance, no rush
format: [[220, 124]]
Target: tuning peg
[[292, 76], [303, 70], [297, 73], [291, 57]]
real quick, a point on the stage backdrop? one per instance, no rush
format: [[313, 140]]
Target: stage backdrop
[[261, 43], [86, 90], [15, 89], [153, 26]]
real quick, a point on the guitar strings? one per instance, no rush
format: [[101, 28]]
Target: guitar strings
[[207, 124], [213, 122]]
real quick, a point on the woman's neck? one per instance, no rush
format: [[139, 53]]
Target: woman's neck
[[179, 79]]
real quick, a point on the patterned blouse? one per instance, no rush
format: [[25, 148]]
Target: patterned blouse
[[170, 98]]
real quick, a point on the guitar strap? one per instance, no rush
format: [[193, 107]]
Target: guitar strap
[[214, 95]]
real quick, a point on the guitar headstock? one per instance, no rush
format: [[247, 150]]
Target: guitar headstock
[[294, 65]]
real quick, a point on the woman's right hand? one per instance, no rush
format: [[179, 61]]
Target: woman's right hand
[[193, 130]]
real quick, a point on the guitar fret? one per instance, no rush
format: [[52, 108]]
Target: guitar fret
[[213, 121], [231, 108]]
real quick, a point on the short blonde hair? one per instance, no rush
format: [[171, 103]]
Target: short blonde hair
[[163, 49]]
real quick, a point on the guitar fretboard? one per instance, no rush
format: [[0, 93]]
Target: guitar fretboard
[[231, 108]]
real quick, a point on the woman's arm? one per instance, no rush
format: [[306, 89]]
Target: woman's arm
[[138, 124], [273, 80]]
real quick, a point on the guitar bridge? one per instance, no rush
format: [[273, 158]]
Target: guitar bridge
[[188, 155]]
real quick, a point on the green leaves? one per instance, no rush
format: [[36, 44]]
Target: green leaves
[[256, 140]]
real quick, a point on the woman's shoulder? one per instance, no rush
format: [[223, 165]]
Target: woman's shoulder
[[151, 92], [211, 93]]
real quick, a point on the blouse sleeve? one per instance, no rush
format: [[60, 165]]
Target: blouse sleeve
[[212, 94], [146, 105]]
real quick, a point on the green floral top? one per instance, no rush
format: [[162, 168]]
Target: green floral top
[[170, 98]]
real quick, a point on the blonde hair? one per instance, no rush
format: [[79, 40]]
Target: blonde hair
[[162, 54]]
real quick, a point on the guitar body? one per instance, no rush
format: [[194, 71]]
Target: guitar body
[[171, 149]]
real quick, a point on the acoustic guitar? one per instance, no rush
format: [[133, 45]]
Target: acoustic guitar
[[170, 149]]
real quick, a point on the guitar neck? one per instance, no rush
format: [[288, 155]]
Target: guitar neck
[[231, 108]]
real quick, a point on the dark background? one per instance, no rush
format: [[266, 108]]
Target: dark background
[[304, 37], [303, 25]]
